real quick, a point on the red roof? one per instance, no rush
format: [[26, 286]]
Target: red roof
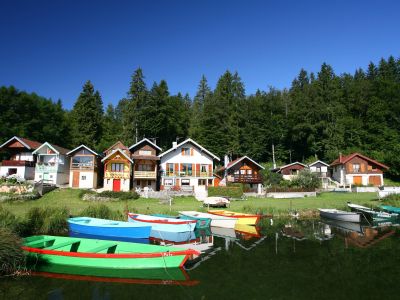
[[32, 144], [233, 162], [344, 159]]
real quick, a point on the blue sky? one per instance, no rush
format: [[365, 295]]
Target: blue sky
[[53, 47]]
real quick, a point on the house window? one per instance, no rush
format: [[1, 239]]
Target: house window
[[186, 169], [242, 172], [170, 169], [40, 176], [149, 182], [144, 167], [82, 161], [356, 168], [210, 181], [51, 176], [168, 182], [186, 151], [202, 182], [236, 172], [145, 152], [185, 182], [318, 170], [117, 167], [249, 172], [83, 178]]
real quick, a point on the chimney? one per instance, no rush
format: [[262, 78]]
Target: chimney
[[174, 144], [340, 157], [226, 160]]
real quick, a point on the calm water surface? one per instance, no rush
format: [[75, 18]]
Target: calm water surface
[[288, 260]]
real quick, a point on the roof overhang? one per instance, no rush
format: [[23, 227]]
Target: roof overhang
[[48, 145], [113, 152], [318, 161], [145, 140], [82, 146], [19, 140], [194, 143], [242, 158]]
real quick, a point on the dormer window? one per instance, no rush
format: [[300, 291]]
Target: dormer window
[[185, 151]]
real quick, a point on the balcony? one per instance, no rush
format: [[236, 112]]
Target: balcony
[[187, 174], [46, 167], [117, 175], [18, 163], [145, 175], [82, 166], [245, 178]]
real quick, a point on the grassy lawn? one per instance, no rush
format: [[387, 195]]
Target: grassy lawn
[[70, 198]]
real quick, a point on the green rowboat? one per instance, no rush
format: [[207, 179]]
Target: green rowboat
[[102, 254]]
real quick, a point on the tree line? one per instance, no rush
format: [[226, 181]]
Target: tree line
[[321, 115]]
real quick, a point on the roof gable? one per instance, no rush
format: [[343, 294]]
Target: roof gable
[[29, 144], [345, 159], [117, 145], [55, 148], [114, 152], [318, 161], [82, 146], [292, 164], [143, 141], [236, 161], [195, 144]]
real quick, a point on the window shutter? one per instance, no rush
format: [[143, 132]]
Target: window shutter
[[176, 169], [210, 170], [183, 151], [191, 151]]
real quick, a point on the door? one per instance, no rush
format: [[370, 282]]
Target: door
[[117, 185], [75, 179], [357, 180], [375, 180]]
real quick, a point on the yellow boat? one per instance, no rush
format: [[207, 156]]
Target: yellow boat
[[247, 231], [246, 219]]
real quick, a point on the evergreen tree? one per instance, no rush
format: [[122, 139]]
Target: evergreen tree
[[87, 116]]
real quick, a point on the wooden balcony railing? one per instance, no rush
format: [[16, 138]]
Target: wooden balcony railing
[[187, 174], [246, 178], [18, 163], [117, 175], [82, 166], [145, 174], [45, 167]]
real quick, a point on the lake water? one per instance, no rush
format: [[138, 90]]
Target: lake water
[[291, 259]]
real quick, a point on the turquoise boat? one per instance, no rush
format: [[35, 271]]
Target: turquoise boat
[[103, 254], [162, 223], [391, 209], [201, 223]]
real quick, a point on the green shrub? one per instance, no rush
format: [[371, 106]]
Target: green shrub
[[306, 180], [84, 192], [102, 212], [120, 195], [12, 258], [8, 220], [226, 191], [51, 221]]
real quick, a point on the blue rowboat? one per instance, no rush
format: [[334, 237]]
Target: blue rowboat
[[175, 238], [162, 223], [391, 209], [108, 228], [201, 223]]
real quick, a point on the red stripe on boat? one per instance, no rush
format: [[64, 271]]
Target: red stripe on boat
[[111, 255], [166, 221]]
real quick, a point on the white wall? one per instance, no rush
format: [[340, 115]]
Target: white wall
[[88, 183]]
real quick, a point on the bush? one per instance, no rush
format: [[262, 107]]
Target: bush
[[12, 258], [306, 180], [8, 220], [51, 221], [102, 212], [120, 195], [227, 191]]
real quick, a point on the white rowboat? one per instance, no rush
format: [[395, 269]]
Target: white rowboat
[[340, 215]]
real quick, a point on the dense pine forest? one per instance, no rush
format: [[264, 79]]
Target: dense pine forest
[[319, 116]]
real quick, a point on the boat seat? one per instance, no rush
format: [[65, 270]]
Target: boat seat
[[74, 248], [37, 243], [109, 246]]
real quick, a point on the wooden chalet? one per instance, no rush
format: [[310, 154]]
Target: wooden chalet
[[145, 164], [117, 168], [242, 170], [357, 169], [20, 158], [84, 168], [290, 171]]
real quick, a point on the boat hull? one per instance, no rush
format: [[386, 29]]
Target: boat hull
[[340, 215], [138, 231], [391, 209], [216, 221], [242, 219], [202, 223], [88, 253], [163, 224]]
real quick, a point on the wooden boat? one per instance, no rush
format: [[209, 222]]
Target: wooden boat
[[108, 228], [246, 219], [202, 223], [216, 221], [390, 209], [340, 215], [372, 214], [343, 226], [90, 253], [247, 231], [162, 223]]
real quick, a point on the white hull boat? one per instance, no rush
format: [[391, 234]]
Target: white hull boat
[[216, 221], [340, 215]]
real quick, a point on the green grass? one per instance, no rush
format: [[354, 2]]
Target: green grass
[[390, 182], [69, 198]]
